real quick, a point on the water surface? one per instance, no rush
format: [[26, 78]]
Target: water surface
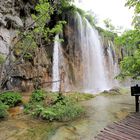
[[100, 111]]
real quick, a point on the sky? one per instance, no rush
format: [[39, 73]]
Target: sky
[[112, 9]]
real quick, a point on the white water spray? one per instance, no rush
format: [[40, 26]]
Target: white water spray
[[56, 75], [84, 64], [94, 78]]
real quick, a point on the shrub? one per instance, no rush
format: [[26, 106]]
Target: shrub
[[63, 110], [3, 110], [37, 96], [67, 109], [10, 98], [29, 107]]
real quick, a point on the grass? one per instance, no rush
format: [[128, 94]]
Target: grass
[[80, 96]]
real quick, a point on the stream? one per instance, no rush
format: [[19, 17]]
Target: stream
[[100, 111]]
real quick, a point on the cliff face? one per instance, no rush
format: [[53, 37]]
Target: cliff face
[[81, 58], [36, 71], [73, 61], [15, 15]]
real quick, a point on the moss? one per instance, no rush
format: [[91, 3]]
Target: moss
[[80, 96]]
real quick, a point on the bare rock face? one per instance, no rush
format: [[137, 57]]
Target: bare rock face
[[14, 14], [26, 75], [10, 15], [72, 54]]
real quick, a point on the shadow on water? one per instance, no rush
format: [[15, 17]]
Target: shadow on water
[[100, 111]]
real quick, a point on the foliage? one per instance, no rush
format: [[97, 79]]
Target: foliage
[[25, 47], [91, 19], [10, 98], [81, 12], [29, 107], [3, 110], [107, 34], [43, 29], [63, 110], [136, 5], [65, 3], [56, 108], [37, 96], [109, 25], [44, 12], [129, 40], [130, 66]]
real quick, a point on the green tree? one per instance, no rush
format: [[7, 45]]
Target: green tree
[[130, 40], [109, 25], [130, 66], [136, 5]]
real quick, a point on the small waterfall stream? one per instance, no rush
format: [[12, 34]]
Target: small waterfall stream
[[112, 67], [56, 75]]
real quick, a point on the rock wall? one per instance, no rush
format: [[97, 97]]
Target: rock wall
[[15, 15], [36, 72], [72, 63]]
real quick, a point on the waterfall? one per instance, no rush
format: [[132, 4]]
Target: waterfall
[[112, 67], [55, 73], [82, 59], [94, 78]]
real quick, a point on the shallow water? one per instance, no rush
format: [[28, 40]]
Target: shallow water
[[100, 111]]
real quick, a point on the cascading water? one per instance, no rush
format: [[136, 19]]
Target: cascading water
[[56, 75], [94, 78], [112, 67], [82, 59]]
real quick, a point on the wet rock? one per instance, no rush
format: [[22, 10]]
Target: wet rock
[[115, 91], [105, 92], [28, 75], [5, 40], [112, 91], [2, 22], [16, 14]]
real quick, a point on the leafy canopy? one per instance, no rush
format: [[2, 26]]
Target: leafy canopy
[[136, 5], [130, 41], [130, 66]]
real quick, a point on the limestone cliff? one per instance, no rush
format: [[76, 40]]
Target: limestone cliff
[[15, 15], [35, 70]]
